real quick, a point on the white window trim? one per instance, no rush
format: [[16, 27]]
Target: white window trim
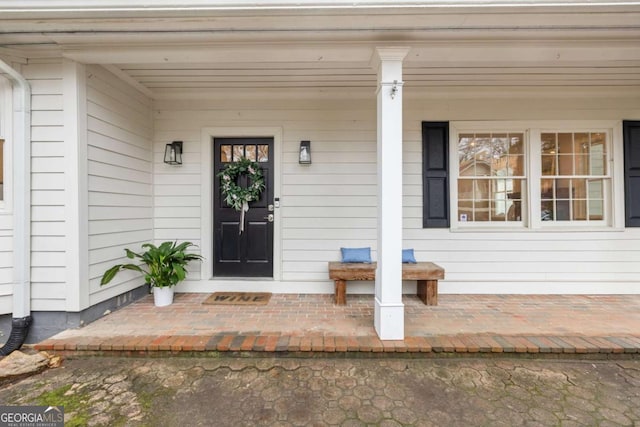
[[614, 209]]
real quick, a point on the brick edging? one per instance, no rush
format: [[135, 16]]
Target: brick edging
[[450, 345]]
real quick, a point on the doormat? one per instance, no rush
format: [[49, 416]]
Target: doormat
[[238, 298]]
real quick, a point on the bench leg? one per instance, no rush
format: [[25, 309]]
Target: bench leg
[[341, 292], [428, 291]]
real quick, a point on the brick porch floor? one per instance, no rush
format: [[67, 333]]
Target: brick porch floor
[[555, 324]]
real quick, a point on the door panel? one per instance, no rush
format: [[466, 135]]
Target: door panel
[[229, 242], [250, 253], [256, 234]]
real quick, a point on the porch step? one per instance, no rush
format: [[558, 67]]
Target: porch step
[[479, 345]]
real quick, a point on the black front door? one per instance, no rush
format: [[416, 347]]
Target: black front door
[[250, 253]]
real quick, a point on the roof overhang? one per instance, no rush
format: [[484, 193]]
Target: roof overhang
[[169, 46]]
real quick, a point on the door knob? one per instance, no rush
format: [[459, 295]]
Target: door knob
[[269, 217]]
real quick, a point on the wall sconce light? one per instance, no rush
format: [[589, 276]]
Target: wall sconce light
[[173, 153], [394, 89], [305, 153]]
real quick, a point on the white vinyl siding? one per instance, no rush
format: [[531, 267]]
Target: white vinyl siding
[[332, 202], [543, 261], [325, 205], [119, 133], [47, 185]]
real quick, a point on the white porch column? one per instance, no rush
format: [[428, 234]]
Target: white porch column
[[389, 310]]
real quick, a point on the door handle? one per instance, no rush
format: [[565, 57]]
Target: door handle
[[269, 217]]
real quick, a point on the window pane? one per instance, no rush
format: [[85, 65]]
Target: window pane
[[549, 143], [565, 143], [596, 210], [595, 188], [581, 143], [563, 212], [481, 188], [465, 210], [238, 152], [516, 143], [466, 155], [546, 189], [263, 153], [579, 188], [579, 210], [250, 151], [549, 165], [225, 153], [565, 164], [498, 210], [563, 187], [597, 154], [582, 164], [514, 211], [465, 189], [499, 144], [516, 166], [515, 186], [481, 210], [546, 211], [500, 165]]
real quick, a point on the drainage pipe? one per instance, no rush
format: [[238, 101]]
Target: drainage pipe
[[21, 194]]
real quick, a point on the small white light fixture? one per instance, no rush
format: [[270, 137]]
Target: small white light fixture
[[173, 153], [305, 153]]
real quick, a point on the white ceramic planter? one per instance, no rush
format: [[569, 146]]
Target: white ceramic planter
[[163, 296]]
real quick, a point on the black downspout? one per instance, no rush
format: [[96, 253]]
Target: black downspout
[[19, 332]]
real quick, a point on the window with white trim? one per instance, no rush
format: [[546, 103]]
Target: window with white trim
[[574, 176], [525, 176], [491, 176]]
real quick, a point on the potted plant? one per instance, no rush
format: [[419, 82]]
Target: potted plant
[[165, 268]]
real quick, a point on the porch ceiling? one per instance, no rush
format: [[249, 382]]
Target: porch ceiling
[[435, 65], [167, 53]]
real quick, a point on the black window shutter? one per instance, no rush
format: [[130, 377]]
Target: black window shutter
[[435, 174], [631, 131]]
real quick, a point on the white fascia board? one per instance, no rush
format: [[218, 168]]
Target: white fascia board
[[34, 6]]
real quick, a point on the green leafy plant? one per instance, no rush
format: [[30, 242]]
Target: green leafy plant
[[235, 195], [165, 264]]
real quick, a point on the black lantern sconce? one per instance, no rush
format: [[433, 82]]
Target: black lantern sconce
[[305, 153], [173, 153]]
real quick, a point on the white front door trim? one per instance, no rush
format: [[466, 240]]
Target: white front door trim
[[206, 192]]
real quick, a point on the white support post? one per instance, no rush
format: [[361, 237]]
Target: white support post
[[389, 310], [76, 191]]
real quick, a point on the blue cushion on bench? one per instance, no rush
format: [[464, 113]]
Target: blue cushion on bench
[[356, 255], [408, 256]]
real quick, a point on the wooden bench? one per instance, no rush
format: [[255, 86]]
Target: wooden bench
[[426, 274]]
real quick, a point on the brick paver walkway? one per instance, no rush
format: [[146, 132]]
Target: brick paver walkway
[[553, 324]]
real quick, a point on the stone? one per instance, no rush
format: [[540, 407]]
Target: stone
[[19, 365]]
